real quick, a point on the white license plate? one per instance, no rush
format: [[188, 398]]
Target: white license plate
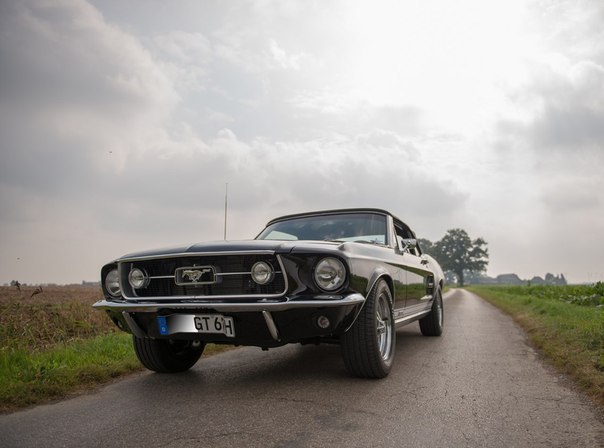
[[198, 323]]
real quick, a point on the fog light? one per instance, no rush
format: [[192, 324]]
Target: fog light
[[138, 278], [262, 273], [323, 322]]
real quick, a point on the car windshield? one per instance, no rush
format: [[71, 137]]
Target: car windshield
[[359, 227]]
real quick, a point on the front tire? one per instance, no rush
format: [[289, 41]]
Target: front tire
[[368, 346], [432, 324], [167, 355]]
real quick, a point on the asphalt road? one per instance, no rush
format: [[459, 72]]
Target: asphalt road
[[480, 385]]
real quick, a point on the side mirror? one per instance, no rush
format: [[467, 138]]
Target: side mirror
[[409, 243]]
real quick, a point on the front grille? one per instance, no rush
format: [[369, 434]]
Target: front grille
[[233, 277]]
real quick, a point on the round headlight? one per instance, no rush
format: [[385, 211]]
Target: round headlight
[[138, 278], [330, 274], [262, 272], [112, 283]]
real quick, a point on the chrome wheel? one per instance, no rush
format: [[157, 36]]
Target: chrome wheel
[[384, 327], [439, 310], [432, 324], [368, 346]]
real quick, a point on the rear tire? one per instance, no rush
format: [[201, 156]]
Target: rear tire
[[432, 324], [368, 346], [167, 355]]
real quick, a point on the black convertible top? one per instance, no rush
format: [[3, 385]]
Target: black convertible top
[[335, 212]]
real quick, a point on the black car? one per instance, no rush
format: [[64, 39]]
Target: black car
[[341, 276]]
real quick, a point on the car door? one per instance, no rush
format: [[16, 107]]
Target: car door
[[417, 271], [417, 279]]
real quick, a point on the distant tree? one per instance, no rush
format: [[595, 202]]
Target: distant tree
[[457, 253], [551, 279], [16, 284], [426, 246], [563, 280], [450, 277]]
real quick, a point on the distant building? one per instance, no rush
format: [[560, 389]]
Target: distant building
[[509, 279], [480, 279], [85, 283], [536, 280], [551, 279], [506, 279]]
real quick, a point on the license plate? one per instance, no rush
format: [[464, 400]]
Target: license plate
[[198, 323]]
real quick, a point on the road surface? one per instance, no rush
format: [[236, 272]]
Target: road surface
[[480, 385]]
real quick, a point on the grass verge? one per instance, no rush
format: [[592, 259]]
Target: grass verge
[[565, 323], [54, 344], [28, 378]]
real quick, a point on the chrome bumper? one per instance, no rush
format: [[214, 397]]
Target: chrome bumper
[[122, 310], [153, 307]]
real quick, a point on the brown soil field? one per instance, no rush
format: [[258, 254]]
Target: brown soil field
[[69, 293], [57, 314]]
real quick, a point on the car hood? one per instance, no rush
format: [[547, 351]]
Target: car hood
[[240, 246]]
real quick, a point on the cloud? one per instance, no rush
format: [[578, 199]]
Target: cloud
[[284, 59], [186, 58], [119, 126], [73, 89], [78, 98], [571, 109], [574, 196], [324, 173], [560, 132], [65, 58]]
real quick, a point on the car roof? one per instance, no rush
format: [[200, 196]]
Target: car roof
[[334, 212]]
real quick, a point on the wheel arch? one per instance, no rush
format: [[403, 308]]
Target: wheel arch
[[378, 275], [368, 347]]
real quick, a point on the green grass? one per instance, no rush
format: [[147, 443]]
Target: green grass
[[54, 344], [565, 322], [28, 378]]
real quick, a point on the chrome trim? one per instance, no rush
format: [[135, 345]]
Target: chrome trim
[[134, 328], [270, 323], [214, 297], [197, 254], [219, 297], [188, 270], [218, 274], [352, 299], [408, 319]]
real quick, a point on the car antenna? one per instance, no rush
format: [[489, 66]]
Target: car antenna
[[226, 201]]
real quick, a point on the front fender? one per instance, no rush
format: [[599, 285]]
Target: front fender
[[379, 273]]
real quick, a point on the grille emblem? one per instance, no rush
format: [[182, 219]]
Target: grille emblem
[[198, 275]]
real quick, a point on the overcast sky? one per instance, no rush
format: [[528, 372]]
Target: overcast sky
[[121, 123]]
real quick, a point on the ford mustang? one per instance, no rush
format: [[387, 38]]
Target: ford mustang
[[350, 277]]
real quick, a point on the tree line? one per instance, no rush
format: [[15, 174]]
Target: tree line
[[458, 254]]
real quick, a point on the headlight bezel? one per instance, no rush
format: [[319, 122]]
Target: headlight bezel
[[330, 274], [111, 282]]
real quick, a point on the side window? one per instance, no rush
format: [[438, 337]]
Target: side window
[[418, 250], [399, 242], [402, 234]]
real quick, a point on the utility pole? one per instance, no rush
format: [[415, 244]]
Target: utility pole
[[226, 201]]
